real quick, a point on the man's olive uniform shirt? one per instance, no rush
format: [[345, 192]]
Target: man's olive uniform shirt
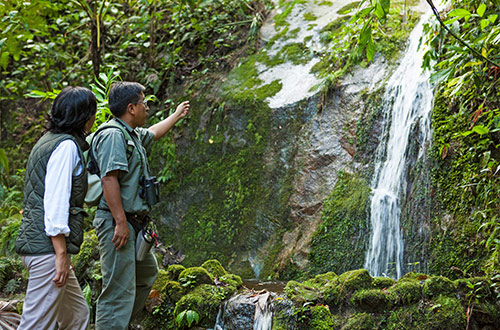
[[114, 152]]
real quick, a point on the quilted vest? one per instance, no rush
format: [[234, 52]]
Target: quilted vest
[[32, 239]]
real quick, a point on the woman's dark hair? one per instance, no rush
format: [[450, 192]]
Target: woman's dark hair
[[121, 94], [72, 109]]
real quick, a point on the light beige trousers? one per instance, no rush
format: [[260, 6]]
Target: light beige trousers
[[45, 304]]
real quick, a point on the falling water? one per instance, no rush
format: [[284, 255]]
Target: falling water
[[407, 105]]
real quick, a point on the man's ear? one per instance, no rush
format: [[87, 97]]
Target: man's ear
[[131, 109]]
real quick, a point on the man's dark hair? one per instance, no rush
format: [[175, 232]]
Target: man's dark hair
[[121, 94], [72, 109]]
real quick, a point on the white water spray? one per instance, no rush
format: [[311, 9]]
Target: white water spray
[[407, 103]]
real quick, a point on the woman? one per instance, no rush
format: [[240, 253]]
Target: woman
[[52, 225]]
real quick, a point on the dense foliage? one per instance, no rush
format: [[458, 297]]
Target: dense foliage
[[466, 122]]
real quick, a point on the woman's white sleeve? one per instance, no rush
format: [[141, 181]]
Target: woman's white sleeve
[[58, 183]]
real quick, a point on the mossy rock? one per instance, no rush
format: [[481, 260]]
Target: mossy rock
[[322, 279], [480, 286], [194, 276], [438, 285], [407, 292], [383, 282], [373, 300], [172, 291], [284, 316], [85, 260], [360, 321], [355, 280], [445, 313], [321, 319], [487, 315], [174, 271], [161, 279], [232, 280], [414, 276], [300, 293], [205, 301], [214, 267]]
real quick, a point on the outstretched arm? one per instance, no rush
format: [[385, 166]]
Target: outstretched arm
[[160, 129]]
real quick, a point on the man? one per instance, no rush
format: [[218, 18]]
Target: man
[[126, 282]]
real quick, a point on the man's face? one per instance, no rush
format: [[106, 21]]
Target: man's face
[[141, 111]]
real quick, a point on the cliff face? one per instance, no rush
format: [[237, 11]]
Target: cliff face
[[264, 149]]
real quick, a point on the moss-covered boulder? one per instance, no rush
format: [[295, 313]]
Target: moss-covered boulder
[[355, 280], [161, 279], [383, 282], [214, 268], [300, 293], [205, 301], [174, 271], [322, 279], [321, 318], [438, 285], [284, 316], [373, 300], [479, 286], [172, 291], [85, 263], [231, 280], [360, 321], [193, 276], [406, 292]]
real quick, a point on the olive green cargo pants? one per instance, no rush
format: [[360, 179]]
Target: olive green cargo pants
[[126, 283]]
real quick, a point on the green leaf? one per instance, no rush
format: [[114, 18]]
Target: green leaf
[[481, 9], [440, 76], [180, 317], [4, 161], [370, 50], [191, 317], [484, 23], [493, 18], [459, 12], [479, 129]]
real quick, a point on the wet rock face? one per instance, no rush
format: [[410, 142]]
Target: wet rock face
[[247, 310]]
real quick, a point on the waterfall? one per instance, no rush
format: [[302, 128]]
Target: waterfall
[[407, 106], [247, 310]]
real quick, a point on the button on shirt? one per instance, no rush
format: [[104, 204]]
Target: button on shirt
[[110, 149], [63, 163]]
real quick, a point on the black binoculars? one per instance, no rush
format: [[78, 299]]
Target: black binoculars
[[149, 190]]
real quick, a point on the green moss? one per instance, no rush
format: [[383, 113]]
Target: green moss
[[195, 276], [297, 53], [172, 291], [86, 262], [373, 300], [280, 19], [301, 293], [340, 241], [214, 268], [438, 285], [356, 280], [383, 282], [360, 321], [479, 286], [407, 292], [174, 272], [321, 319], [232, 280], [309, 17], [161, 280], [205, 300], [322, 279]]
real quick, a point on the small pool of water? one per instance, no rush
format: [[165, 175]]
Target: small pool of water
[[271, 286]]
